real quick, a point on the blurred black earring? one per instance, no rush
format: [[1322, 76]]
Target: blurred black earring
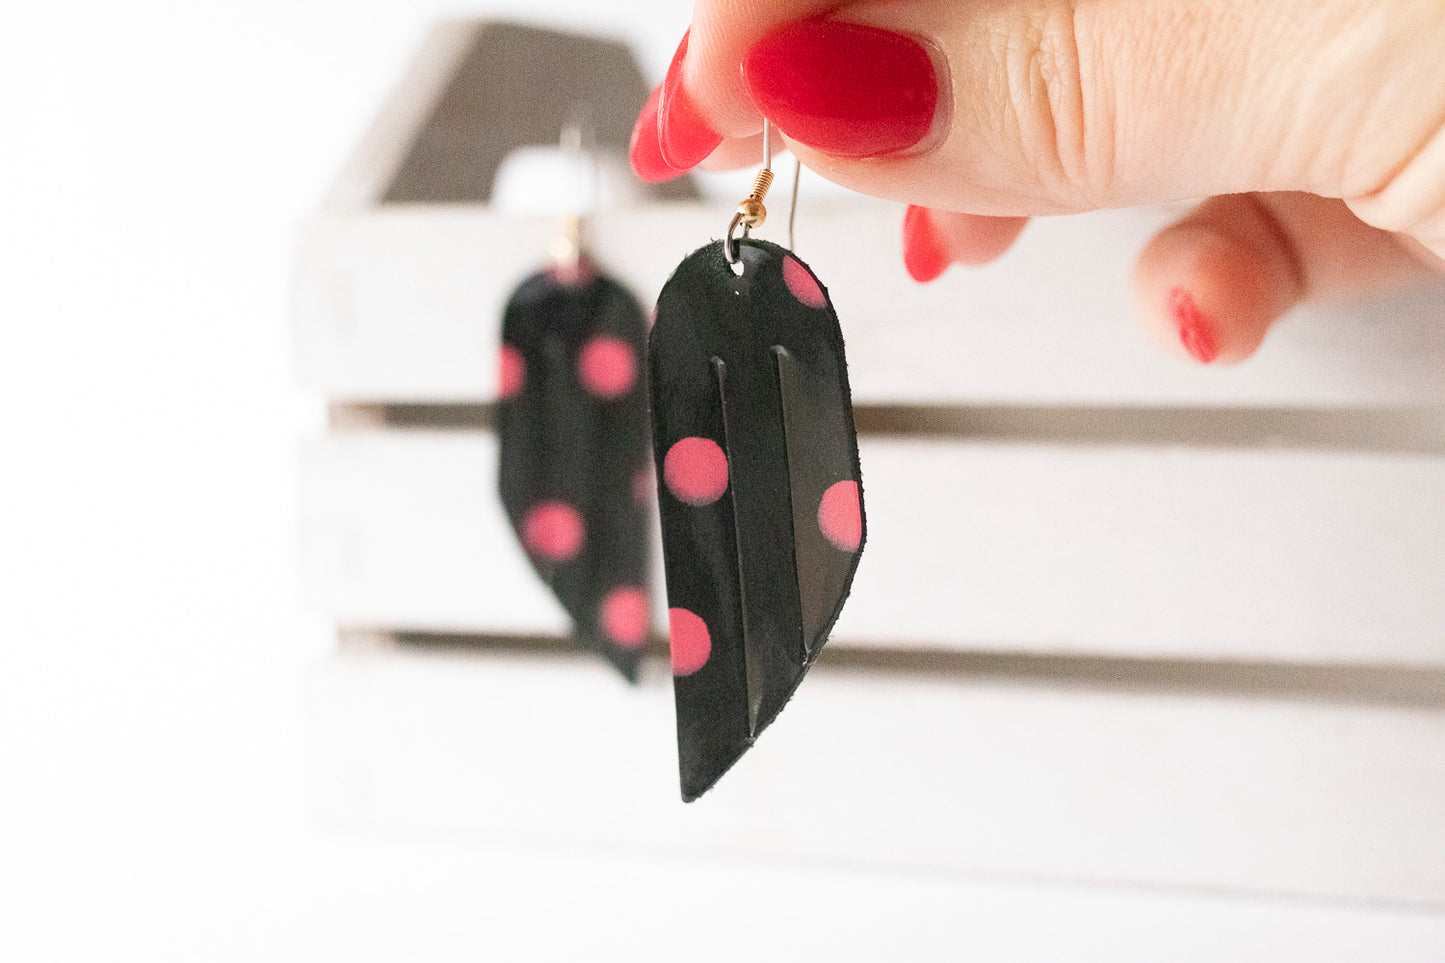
[[575, 470]]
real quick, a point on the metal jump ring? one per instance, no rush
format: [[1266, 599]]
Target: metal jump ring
[[730, 249]]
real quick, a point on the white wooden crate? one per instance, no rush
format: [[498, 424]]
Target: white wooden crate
[[1040, 483], [1254, 555], [404, 303], [1076, 779], [1320, 544]]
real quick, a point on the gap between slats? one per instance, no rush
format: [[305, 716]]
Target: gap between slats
[[1408, 430], [1364, 685]]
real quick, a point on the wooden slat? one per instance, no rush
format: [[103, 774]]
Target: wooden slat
[[1200, 790], [1253, 555], [405, 305]]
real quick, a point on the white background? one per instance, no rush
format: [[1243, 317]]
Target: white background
[[154, 159]]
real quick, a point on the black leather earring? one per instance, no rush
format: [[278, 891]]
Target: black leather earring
[[575, 472], [760, 485]]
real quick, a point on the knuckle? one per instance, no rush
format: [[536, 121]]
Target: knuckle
[[1062, 125]]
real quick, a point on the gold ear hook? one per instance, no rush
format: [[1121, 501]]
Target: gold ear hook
[[751, 210], [751, 213]]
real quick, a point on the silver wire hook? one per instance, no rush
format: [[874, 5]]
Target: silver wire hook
[[793, 203]]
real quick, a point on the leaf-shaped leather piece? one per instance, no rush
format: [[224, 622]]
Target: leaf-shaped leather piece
[[575, 472], [761, 502]]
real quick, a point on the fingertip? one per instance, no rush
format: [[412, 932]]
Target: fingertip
[[976, 239], [850, 90], [644, 151], [934, 240], [1202, 296], [1209, 287], [1197, 331], [924, 255], [685, 138]]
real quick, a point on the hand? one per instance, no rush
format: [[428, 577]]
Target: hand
[[1316, 128]]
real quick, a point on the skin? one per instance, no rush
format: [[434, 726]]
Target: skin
[[1315, 129]]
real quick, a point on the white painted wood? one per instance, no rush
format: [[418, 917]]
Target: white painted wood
[[405, 304], [1039, 781], [605, 908], [1176, 553], [377, 510]]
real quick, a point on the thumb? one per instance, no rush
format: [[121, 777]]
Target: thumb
[[1054, 106]]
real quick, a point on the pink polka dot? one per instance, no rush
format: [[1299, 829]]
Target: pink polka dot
[[690, 641], [802, 284], [626, 616], [513, 373], [840, 516], [553, 530], [696, 471], [607, 366]]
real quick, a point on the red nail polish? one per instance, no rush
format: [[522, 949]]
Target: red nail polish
[[843, 88], [686, 138], [644, 151], [923, 252], [1196, 332]]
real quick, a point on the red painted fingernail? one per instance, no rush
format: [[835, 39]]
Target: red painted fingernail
[[923, 252], [686, 138], [843, 88], [646, 155], [1196, 332]]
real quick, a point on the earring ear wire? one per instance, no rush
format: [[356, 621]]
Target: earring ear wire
[[566, 248], [793, 202], [751, 212]]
